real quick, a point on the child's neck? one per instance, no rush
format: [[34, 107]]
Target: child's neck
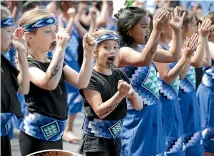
[[103, 70], [39, 56]]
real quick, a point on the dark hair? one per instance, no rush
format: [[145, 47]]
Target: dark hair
[[28, 5], [210, 15], [189, 18], [127, 19]]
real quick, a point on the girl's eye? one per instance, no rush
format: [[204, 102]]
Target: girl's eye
[[48, 31], [116, 47], [106, 47]]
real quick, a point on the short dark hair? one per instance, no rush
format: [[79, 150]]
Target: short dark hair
[[127, 19]]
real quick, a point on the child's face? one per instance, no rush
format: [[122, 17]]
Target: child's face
[[43, 39], [191, 28], [140, 32], [107, 53], [6, 38]]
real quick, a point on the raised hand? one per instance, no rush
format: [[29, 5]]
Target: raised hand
[[177, 18], [18, 41], [123, 88], [205, 28], [62, 38], [71, 12], [89, 43], [190, 45], [160, 20], [131, 93]]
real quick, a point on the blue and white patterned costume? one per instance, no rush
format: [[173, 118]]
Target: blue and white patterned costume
[[143, 131], [205, 96], [172, 116], [190, 112]]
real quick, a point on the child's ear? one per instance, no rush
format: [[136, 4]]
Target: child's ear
[[95, 53], [28, 36]]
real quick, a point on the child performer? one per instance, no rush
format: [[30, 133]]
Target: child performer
[[12, 80], [43, 126], [105, 99], [144, 128], [190, 110], [205, 96]]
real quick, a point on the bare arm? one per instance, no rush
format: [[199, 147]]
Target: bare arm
[[81, 79], [129, 56], [135, 99], [20, 45], [49, 80], [174, 52], [198, 58], [103, 109], [103, 17], [207, 57]]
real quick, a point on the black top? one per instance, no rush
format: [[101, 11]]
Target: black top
[[51, 103], [106, 85], [9, 87]]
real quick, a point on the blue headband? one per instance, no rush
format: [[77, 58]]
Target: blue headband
[[107, 36], [7, 22], [40, 23]]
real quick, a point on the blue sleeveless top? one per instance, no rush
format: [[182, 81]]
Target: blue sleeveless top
[[145, 82]]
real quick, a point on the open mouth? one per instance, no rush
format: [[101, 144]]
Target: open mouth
[[110, 62], [146, 38], [53, 45]]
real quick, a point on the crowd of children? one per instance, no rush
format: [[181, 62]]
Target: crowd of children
[[133, 77]]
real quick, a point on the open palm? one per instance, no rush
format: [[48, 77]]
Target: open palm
[[177, 18], [19, 42]]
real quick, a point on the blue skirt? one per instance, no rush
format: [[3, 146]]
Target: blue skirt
[[74, 99], [190, 112], [205, 96], [173, 127], [143, 132]]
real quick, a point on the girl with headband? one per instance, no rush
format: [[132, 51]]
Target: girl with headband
[[105, 99], [189, 106], [205, 95], [12, 80], [143, 131], [43, 126]]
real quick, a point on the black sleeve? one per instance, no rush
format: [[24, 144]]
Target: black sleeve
[[13, 72], [33, 63], [93, 85], [123, 75]]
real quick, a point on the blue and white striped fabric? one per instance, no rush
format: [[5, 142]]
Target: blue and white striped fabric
[[43, 127], [40, 23], [102, 128], [7, 22], [7, 124]]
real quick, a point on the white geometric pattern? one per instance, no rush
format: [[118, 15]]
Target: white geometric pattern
[[175, 84], [50, 129], [191, 75], [151, 82]]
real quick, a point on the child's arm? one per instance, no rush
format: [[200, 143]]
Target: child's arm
[[81, 79], [174, 52], [198, 57], [20, 46], [134, 99], [103, 109], [169, 75], [207, 57], [49, 80]]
